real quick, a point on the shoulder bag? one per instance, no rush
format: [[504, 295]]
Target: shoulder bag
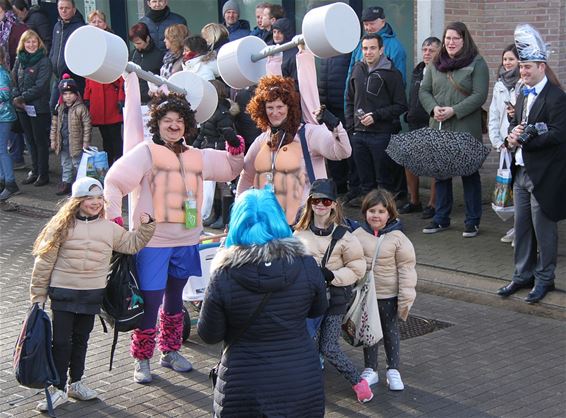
[[484, 127]]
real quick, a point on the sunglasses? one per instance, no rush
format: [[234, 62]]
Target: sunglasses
[[326, 202]]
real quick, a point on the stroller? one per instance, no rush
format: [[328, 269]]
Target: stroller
[[193, 293]]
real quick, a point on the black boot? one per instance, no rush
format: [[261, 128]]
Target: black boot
[[31, 178], [41, 181]]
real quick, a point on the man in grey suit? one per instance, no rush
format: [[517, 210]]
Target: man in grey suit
[[538, 135]]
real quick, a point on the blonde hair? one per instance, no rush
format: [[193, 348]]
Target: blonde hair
[[214, 32], [55, 232], [27, 35], [98, 13], [176, 34], [307, 216]]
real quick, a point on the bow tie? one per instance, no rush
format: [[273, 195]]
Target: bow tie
[[527, 91]]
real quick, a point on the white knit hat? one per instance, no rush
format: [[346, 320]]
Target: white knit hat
[[86, 186]]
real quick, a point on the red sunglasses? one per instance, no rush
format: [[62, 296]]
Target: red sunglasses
[[325, 201]]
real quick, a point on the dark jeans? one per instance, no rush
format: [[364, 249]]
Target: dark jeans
[[70, 342], [391, 336], [472, 200], [16, 147], [369, 155], [36, 132], [112, 141]]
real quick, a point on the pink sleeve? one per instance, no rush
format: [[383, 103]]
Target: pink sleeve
[[123, 177], [308, 87], [248, 173], [133, 121], [331, 145], [273, 64], [221, 165]]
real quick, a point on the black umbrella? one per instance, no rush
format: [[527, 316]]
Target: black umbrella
[[440, 154]]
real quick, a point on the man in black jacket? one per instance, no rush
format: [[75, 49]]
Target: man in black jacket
[[69, 20], [538, 135], [417, 118], [374, 102]]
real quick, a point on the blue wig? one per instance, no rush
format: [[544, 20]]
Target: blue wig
[[256, 219]]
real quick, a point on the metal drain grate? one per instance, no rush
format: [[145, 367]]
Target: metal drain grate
[[417, 326]]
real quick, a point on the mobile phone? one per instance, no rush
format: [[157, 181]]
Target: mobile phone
[[360, 113], [508, 103]]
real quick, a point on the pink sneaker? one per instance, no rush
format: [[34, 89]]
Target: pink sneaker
[[363, 392]]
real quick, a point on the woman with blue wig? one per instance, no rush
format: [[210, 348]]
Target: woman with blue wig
[[262, 288]]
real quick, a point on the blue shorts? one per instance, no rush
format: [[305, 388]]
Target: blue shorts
[[156, 265]]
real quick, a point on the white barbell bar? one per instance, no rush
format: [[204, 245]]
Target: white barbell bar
[[327, 31], [102, 56]]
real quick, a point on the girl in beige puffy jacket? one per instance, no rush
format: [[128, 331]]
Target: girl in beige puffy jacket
[[341, 259], [72, 257], [395, 279]]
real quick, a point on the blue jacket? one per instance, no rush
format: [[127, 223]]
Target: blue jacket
[[276, 340], [61, 32], [7, 111], [157, 29], [238, 30]]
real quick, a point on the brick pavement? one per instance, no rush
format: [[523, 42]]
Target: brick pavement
[[491, 362]]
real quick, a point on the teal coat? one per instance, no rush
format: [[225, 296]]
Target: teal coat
[[437, 90], [7, 112]]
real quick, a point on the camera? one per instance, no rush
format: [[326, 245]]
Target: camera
[[528, 134]]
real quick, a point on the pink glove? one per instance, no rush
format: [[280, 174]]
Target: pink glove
[[236, 150], [119, 221]]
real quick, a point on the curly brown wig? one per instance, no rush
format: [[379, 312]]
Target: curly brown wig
[[162, 103], [269, 89]]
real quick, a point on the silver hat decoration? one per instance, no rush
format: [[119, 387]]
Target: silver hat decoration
[[530, 45]]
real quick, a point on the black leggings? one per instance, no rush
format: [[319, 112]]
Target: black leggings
[[112, 141], [70, 341], [391, 337]]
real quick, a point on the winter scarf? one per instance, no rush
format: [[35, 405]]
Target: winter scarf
[[446, 64], [5, 30], [27, 60], [168, 61], [158, 15], [509, 78]]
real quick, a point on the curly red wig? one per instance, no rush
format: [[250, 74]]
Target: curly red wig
[[269, 89]]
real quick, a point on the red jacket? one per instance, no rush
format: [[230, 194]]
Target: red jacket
[[106, 101]]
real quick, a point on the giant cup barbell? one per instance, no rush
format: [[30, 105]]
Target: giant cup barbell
[[327, 31], [102, 56]]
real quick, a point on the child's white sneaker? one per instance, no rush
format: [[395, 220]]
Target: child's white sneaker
[[58, 397], [370, 376], [78, 390], [394, 380]]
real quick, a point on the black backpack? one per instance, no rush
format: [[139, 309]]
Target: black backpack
[[122, 305], [33, 361]]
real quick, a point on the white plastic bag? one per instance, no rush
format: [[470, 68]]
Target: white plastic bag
[[208, 189], [502, 200]]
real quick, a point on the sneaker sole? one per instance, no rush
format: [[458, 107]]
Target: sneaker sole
[[142, 381], [434, 231], [170, 366], [366, 400], [469, 234], [80, 398]]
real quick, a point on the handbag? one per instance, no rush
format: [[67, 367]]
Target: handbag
[[93, 164], [361, 324], [213, 374], [502, 199], [484, 123]]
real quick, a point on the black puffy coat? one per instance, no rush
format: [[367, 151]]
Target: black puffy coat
[[416, 116], [33, 84], [212, 131], [150, 59], [38, 20], [289, 62], [273, 369], [245, 126], [332, 73]]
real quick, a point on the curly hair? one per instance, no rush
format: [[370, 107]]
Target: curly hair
[[162, 103], [55, 232], [269, 89], [176, 35]]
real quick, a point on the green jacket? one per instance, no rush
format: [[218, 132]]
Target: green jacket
[[437, 90]]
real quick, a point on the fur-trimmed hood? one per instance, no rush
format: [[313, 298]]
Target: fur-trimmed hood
[[261, 268]]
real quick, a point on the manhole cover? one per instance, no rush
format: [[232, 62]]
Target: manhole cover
[[417, 326]]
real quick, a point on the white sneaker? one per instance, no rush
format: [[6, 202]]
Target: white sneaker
[[370, 376], [58, 397], [394, 380], [142, 373], [174, 360], [78, 390], [509, 236]]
